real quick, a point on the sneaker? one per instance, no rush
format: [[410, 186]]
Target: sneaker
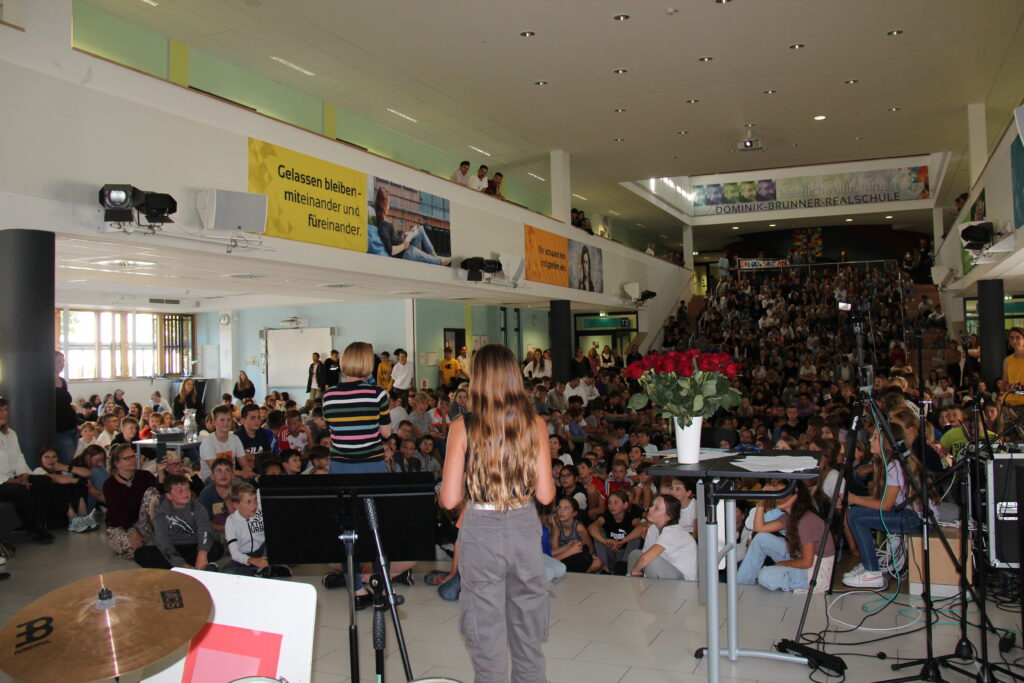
[[91, 521], [333, 580], [859, 569], [263, 572], [405, 577], [866, 579], [77, 525], [281, 571], [3, 560]]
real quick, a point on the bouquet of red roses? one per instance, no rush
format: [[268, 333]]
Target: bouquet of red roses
[[685, 384]]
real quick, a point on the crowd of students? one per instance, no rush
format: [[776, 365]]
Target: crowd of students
[[799, 384]]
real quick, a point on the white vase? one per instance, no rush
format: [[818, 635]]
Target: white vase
[[688, 441]]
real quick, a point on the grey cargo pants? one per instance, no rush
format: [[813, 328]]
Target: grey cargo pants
[[504, 600]]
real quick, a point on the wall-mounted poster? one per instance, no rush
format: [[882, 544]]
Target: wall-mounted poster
[[556, 260], [312, 200], [586, 267], [1017, 181], [812, 192], [309, 199]]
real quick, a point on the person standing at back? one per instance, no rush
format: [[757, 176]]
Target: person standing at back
[[498, 460], [316, 377], [332, 370]]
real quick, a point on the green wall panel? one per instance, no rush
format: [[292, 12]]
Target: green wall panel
[[118, 40]]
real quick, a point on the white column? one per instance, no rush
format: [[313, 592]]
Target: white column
[[561, 187], [977, 140]]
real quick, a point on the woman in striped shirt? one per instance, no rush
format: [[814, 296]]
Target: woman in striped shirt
[[356, 413]]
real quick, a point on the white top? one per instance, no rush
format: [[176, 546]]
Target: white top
[[244, 536], [459, 177], [104, 438], [543, 369], [587, 392], [688, 516], [212, 448], [680, 548], [477, 183], [402, 375], [12, 460]]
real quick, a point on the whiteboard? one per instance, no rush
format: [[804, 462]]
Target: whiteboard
[[289, 353]]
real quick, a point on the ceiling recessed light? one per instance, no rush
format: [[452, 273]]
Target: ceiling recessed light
[[404, 116], [704, 59], [527, 34], [696, 253], [579, 197], [534, 175], [888, 217], [894, 108], [151, 3], [540, 82], [722, 2], [336, 285], [851, 81], [246, 276], [618, 110], [618, 139], [771, 225], [621, 17], [671, 10], [692, 101], [895, 32], [124, 263], [859, 138], [682, 132], [620, 71], [477, 149], [849, 220], [616, 213], [797, 46], [735, 227], [290, 65], [820, 117], [770, 91]]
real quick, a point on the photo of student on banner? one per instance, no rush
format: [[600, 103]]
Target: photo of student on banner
[[408, 224], [586, 269]]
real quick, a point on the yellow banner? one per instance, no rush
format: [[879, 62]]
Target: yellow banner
[[309, 199], [547, 257]]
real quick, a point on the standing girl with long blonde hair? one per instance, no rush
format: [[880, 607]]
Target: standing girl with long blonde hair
[[498, 461]]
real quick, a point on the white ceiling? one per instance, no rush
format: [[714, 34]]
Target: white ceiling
[[464, 72]]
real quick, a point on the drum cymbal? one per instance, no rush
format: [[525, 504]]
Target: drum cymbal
[[69, 635]]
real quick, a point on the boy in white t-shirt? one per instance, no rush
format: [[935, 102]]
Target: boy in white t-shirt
[[221, 443]]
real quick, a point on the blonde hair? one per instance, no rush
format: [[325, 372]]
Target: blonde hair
[[357, 360], [501, 435]]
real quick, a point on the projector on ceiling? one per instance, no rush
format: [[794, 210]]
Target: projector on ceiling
[[749, 145]]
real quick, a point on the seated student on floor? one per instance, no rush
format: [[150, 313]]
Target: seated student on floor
[[570, 542], [182, 532], [669, 551], [217, 493], [617, 533], [221, 443], [132, 496], [30, 494], [68, 506], [93, 459], [794, 555], [245, 538], [867, 514]]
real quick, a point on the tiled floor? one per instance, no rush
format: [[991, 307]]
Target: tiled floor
[[603, 628]]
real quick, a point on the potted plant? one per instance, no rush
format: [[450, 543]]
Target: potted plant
[[686, 386]]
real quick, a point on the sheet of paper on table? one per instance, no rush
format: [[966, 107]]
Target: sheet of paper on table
[[776, 463]]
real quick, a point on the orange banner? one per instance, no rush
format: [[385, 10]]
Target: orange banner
[[547, 257]]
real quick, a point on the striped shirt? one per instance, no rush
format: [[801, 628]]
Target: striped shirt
[[354, 412]]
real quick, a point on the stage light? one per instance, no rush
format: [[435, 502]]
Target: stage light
[[157, 207], [646, 296], [119, 202]]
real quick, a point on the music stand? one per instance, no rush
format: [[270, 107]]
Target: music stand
[[319, 519], [717, 474]]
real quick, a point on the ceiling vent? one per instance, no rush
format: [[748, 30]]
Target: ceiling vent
[[175, 302], [246, 276]]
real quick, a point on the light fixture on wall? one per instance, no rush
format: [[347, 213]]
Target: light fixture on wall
[[123, 204]]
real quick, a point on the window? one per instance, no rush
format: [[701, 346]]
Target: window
[[118, 344]]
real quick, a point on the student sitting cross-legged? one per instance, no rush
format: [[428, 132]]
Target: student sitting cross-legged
[[794, 554], [245, 536], [182, 532]]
